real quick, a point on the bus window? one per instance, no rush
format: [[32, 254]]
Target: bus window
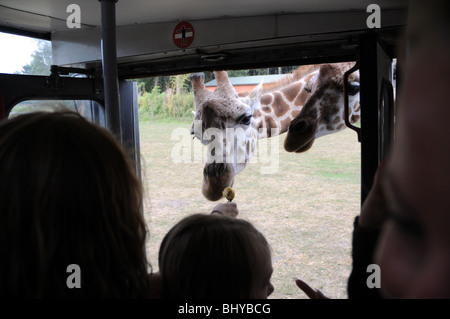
[[90, 110]]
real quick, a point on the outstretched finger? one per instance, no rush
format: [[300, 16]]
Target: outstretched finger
[[311, 293]]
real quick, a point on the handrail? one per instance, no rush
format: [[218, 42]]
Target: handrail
[[346, 107]]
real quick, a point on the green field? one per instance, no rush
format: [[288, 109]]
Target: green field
[[305, 208]]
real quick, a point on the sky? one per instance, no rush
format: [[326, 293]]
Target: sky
[[15, 52]]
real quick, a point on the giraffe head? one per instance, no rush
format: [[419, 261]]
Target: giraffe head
[[323, 112], [224, 124]]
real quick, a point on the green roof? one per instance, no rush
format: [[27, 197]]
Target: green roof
[[250, 80]]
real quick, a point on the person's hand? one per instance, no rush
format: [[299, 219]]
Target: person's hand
[[373, 210], [226, 209], [310, 292]]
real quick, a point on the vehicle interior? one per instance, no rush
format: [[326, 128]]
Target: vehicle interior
[[116, 41]]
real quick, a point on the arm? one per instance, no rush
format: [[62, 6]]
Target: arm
[[366, 230], [363, 247], [226, 209]]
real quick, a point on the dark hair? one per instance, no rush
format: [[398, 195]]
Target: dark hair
[[68, 195], [211, 257]]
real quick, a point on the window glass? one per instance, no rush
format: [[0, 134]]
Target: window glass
[[90, 110], [24, 55]]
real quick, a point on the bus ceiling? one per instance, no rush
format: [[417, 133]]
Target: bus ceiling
[[172, 36]]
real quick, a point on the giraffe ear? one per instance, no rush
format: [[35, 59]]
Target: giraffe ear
[[253, 99]]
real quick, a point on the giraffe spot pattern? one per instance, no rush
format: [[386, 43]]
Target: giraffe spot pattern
[[266, 99], [285, 125], [257, 113], [328, 108], [280, 107], [270, 124], [295, 113], [291, 91], [301, 99], [354, 118]]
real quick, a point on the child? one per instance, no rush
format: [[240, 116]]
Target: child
[[215, 257], [68, 195]]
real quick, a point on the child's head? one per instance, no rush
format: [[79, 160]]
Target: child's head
[[215, 257], [68, 195]]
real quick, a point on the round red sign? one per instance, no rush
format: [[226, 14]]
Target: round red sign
[[183, 34]]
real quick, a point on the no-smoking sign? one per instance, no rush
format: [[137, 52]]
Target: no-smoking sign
[[183, 34]]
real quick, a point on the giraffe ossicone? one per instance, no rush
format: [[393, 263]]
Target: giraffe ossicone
[[307, 104]]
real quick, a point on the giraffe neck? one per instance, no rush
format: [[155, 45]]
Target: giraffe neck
[[280, 107]]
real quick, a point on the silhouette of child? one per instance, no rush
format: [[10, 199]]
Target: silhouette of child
[[215, 257]]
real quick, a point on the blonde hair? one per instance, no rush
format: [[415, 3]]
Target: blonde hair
[[211, 257], [68, 195]]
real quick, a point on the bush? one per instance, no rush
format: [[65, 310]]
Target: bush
[[156, 105]]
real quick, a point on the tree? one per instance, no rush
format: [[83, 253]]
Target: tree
[[41, 60]]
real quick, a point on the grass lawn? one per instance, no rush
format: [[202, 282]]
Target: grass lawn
[[305, 207]]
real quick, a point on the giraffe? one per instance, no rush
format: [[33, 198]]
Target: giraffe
[[306, 105]]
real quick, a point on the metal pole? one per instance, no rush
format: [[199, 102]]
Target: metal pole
[[368, 62], [109, 64]]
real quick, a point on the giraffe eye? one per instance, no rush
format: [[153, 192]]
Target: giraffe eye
[[246, 119], [353, 88]]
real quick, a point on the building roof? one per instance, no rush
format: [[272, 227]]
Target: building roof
[[250, 80]]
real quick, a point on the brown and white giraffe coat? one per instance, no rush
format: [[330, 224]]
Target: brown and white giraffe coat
[[307, 104], [280, 105]]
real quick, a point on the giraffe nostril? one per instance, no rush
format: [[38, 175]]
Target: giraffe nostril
[[298, 127], [220, 168], [214, 169]]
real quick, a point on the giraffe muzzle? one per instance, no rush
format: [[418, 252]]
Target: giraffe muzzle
[[214, 169], [299, 127], [300, 136], [216, 177]]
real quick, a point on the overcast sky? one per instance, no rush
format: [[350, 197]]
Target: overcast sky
[[15, 52]]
